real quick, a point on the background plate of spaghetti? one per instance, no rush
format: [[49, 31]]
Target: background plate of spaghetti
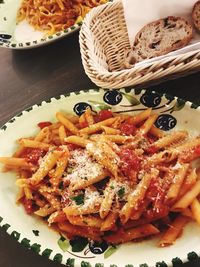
[[104, 177], [32, 23]]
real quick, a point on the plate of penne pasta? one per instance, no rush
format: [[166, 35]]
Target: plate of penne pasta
[[32, 23], [101, 178]]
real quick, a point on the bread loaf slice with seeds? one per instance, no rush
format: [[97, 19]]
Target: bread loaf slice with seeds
[[159, 38], [196, 15]]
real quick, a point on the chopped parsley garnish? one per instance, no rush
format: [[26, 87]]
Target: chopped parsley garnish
[[121, 192], [61, 185], [112, 187], [79, 199], [69, 170]]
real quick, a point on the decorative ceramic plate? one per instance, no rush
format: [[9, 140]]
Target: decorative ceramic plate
[[22, 35], [35, 235]]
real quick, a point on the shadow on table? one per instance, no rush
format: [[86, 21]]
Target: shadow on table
[[50, 70], [42, 62], [54, 66]]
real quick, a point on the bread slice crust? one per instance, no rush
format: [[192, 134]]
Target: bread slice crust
[[196, 15], [159, 38]]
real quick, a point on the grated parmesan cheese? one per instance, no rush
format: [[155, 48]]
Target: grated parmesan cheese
[[92, 198], [82, 166], [117, 186], [177, 166]]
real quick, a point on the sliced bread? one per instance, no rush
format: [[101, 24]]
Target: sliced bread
[[159, 38], [196, 15]]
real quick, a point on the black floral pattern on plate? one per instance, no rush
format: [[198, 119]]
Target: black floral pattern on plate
[[113, 97], [98, 247], [150, 99], [81, 107], [166, 122]]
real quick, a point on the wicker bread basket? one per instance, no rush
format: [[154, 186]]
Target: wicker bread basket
[[104, 42]]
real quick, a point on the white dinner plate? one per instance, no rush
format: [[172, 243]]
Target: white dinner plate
[[21, 35], [36, 235]]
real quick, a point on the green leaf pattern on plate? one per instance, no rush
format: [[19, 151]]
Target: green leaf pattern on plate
[[110, 251], [178, 105], [99, 105], [63, 243], [78, 244], [132, 100]]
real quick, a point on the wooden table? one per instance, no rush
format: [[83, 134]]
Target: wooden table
[[27, 77]]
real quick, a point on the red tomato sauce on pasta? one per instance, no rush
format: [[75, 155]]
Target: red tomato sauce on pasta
[[128, 128], [44, 124], [33, 154], [129, 161]]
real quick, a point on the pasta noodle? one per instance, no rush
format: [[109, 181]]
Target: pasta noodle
[[115, 179], [52, 16]]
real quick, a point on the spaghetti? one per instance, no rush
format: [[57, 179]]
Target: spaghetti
[[52, 16]]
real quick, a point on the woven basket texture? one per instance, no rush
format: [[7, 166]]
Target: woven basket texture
[[104, 44]]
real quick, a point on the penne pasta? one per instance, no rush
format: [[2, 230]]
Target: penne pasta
[[74, 230], [133, 233], [140, 117], [117, 180], [57, 216], [104, 154], [106, 203], [67, 123], [83, 183], [144, 129], [195, 208], [16, 162], [156, 132], [61, 164], [110, 222], [44, 211], [174, 231], [75, 211], [190, 180], [170, 139], [46, 165], [137, 196], [177, 182], [88, 116], [43, 135], [34, 144], [76, 140], [83, 220], [110, 130], [188, 198], [62, 134], [97, 126]]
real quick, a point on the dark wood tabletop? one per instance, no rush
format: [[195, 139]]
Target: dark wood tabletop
[[29, 76]]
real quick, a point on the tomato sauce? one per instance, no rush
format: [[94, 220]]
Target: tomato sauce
[[197, 151], [32, 155], [127, 128], [155, 195], [103, 115], [129, 161], [83, 124], [72, 146], [43, 124], [190, 155], [28, 205], [152, 149]]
